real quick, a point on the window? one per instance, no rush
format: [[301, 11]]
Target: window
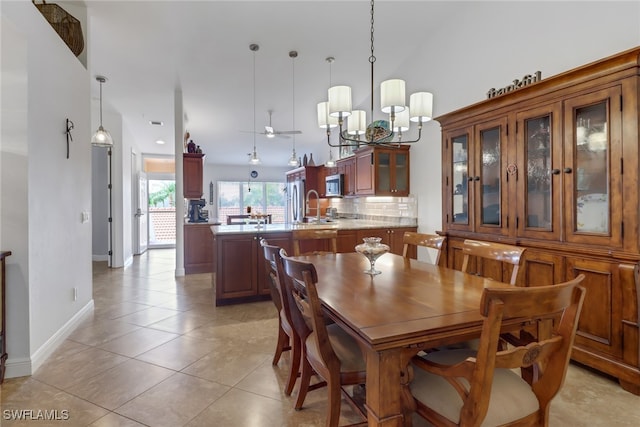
[[263, 197]]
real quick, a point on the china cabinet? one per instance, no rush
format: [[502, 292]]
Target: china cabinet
[[382, 171], [192, 164], [553, 166]]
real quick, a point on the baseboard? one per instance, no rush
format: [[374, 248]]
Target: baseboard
[[98, 258], [23, 367]]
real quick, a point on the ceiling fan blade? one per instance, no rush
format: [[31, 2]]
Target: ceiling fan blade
[[288, 132]]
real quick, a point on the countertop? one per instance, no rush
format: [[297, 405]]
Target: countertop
[[338, 224]]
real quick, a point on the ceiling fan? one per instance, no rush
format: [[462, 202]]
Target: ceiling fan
[[270, 132]]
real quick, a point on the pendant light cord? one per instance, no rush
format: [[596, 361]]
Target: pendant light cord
[[293, 54], [254, 101], [100, 103], [372, 60]]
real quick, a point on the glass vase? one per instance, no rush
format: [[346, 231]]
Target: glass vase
[[372, 249]]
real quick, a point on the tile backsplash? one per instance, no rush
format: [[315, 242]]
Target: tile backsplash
[[401, 209]]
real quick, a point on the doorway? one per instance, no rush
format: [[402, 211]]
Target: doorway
[[162, 211]]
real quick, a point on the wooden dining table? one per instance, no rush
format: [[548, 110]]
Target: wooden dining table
[[409, 307]]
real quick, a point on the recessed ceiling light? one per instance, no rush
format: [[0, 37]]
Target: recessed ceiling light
[[159, 141], [155, 122]]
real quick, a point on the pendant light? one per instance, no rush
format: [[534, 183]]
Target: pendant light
[[253, 156], [392, 101], [293, 161], [101, 138]]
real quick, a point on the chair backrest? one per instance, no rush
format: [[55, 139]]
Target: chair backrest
[[296, 319], [271, 270], [241, 219], [547, 357], [421, 239], [494, 251], [300, 284], [316, 235]]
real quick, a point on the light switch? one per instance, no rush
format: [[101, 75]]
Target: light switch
[[85, 217]]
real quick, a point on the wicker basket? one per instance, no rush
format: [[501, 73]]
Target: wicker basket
[[67, 27]]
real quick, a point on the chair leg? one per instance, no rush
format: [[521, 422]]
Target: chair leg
[[335, 394], [282, 344], [294, 369], [305, 380]]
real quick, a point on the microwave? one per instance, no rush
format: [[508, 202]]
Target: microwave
[[334, 185]]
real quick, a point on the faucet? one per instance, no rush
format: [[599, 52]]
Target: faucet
[[318, 205]]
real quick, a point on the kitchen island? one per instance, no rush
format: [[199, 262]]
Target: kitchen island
[[238, 262]]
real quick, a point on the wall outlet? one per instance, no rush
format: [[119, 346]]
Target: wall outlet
[[75, 294], [84, 216]]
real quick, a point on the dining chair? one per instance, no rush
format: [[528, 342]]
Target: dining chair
[[288, 339], [413, 239], [493, 251], [323, 237], [467, 388], [328, 350]]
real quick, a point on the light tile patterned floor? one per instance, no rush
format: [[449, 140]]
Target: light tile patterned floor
[[157, 352]]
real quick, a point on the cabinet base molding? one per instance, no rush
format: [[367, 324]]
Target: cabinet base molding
[[628, 376]]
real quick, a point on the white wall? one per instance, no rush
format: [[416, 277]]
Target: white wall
[[492, 43], [42, 223]]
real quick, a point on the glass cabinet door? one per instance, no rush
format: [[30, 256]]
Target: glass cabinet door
[[383, 178], [458, 211], [488, 185], [401, 173], [593, 124], [539, 160]]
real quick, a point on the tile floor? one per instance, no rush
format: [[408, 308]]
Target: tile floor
[[157, 352]]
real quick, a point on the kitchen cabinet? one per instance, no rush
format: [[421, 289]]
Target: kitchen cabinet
[[382, 171], [347, 166], [192, 175], [313, 177], [390, 236], [553, 167], [240, 270], [198, 248]]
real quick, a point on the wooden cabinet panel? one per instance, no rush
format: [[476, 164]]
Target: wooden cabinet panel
[[347, 241], [541, 269], [192, 173], [600, 323], [347, 167], [364, 172], [198, 249], [237, 272], [240, 274]]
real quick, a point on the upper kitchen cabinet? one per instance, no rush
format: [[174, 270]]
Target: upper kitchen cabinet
[[382, 171], [313, 177], [553, 166], [192, 164], [347, 167]]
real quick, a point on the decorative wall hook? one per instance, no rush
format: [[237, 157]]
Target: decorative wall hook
[[68, 132]]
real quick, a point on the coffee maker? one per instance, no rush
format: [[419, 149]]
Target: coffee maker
[[195, 210]]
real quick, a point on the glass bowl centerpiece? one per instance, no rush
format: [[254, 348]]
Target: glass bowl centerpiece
[[372, 249]]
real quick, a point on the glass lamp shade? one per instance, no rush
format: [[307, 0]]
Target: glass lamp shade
[[392, 96], [339, 101], [330, 163], [357, 123], [421, 106], [401, 122], [324, 119], [254, 159], [293, 160], [102, 138]]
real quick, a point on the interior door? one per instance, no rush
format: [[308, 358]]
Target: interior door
[[142, 217]]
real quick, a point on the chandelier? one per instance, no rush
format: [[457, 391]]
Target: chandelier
[[392, 101]]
